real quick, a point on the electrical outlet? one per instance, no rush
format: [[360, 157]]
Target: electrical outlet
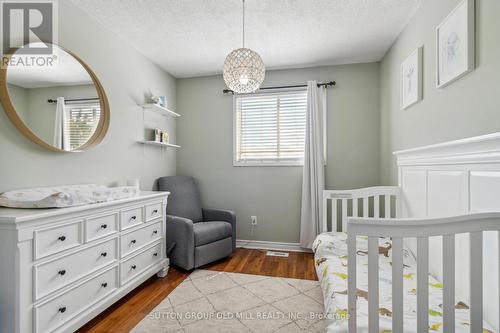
[[253, 220]]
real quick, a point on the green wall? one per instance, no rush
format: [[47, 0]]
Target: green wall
[[467, 107], [127, 76], [365, 123], [205, 132]]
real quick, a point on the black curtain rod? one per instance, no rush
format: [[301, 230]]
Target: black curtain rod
[[326, 84], [74, 100]]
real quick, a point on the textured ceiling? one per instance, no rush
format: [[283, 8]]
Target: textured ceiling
[[66, 71], [192, 37]]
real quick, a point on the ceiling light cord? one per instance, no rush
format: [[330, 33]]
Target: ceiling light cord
[[243, 71], [243, 23]]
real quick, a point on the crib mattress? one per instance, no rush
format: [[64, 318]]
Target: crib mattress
[[330, 256]]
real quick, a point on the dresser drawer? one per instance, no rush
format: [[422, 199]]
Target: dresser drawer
[[57, 311], [138, 238], [54, 274], [101, 226], [138, 263], [56, 239], [153, 211], [130, 218]]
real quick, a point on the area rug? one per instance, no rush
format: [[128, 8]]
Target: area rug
[[210, 301]]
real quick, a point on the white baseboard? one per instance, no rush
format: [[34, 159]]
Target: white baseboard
[[265, 245]]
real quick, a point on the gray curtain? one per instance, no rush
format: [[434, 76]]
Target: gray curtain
[[313, 180]]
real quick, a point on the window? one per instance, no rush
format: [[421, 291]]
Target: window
[[82, 122], [270, 128]]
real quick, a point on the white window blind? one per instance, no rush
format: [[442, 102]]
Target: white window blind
[[82, 122], [270, 128]]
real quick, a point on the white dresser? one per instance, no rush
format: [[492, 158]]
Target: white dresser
[[59, 268]]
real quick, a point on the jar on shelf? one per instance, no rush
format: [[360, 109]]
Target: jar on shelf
[[164, 137]]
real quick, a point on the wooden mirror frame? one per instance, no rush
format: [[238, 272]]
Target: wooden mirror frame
[[102, 126]]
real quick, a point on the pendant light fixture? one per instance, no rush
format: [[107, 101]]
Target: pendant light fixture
[[244, 70]]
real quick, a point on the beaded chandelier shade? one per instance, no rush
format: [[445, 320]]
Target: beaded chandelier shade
[[244, 70]]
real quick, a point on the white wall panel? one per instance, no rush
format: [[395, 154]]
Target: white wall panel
[[413, 183], [484, 191], [447, 193]]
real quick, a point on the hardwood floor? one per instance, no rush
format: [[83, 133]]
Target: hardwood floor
[[122, 316]]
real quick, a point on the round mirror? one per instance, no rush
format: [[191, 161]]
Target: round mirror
[[57, 103]]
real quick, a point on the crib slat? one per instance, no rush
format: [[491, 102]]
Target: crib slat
[[355, 207], [397, 284], [476, 281], [351, 281], [324, 218], [387, 206], [397, 203], [373, 294], [376, 206], [365, 207], [449, 283], [344, 215], [422, 284], [334, 215]]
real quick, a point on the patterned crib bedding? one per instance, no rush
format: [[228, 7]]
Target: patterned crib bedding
[[330, 256]]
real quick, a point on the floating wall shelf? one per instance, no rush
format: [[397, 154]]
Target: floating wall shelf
[[159, 144], [160, 109]]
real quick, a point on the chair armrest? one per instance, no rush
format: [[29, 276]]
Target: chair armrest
[[180, 221], [221, 215], [218, 215], [180, 232]]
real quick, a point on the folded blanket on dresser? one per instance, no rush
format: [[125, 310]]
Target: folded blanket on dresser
[[65, 196], [330, 256]]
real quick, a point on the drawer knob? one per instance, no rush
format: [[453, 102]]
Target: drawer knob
[[104, 285], [155, 254], [62, 238], [133, 217], [155, 231], [134, 266], [62, 272], [104, 226], [104, 254], [133, 241], [155, 211], [62, 309]]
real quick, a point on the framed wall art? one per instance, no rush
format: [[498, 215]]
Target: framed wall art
[[455, 44], [411, 79]]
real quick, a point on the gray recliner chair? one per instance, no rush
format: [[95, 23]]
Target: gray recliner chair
[[198, 235]]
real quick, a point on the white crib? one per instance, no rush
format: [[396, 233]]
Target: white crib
[[447, 204]]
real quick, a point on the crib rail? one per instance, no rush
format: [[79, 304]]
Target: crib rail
[[422, 229], [377, 201]]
